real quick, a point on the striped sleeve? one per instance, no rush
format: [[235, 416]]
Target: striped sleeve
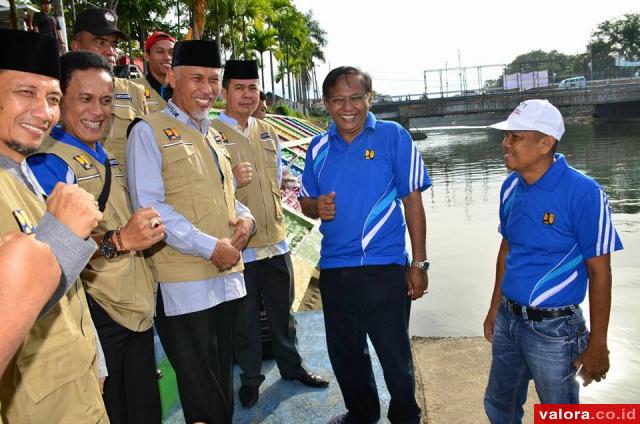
[[411, 173], [316, 154], [49, 169], [594, 225]]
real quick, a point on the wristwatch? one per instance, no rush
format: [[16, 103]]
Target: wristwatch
[[107, 247], [421, 265]]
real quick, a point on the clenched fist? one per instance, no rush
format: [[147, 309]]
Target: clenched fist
[[74, 207], [143, 230], [326, 206], [243, 173], [225, 255]]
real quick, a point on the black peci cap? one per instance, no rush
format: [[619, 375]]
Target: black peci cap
[[196, 53], [29, 52], [98, 21], [240, 69]]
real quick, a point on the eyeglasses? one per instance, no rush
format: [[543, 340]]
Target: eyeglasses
[[102, 42], [356, 100]]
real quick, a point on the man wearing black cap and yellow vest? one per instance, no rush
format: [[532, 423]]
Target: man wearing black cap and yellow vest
[[180, 167], [96, 30], [53, 377], [268, 270]]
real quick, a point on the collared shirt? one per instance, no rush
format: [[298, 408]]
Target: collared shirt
[[49, 169], [146, 188], [370, 176], [251, 254], [71, 251], [553, 226], [165, 91]]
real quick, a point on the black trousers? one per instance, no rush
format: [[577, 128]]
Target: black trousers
[[373, 301], [199, 347], [269, 279], [131, 393]]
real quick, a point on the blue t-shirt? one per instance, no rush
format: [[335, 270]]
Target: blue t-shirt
[[50, 169], [370, 177], [553, 226]]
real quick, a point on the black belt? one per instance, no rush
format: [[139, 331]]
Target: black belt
[[536, 314]]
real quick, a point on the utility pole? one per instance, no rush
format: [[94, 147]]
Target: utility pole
[[462, 88], [59, 12]]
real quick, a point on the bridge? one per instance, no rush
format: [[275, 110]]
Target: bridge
[[615, 99]]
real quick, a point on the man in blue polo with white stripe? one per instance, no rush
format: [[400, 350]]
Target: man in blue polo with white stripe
[[557, 237], [357, 178]]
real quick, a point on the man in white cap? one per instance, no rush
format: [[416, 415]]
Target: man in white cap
[[557, 237]]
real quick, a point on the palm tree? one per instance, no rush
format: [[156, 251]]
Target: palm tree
[[262, 39]]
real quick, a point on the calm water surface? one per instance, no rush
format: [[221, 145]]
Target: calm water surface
[[467, 171]]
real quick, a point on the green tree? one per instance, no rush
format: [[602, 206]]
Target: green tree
[[615, 37], [263, 39]]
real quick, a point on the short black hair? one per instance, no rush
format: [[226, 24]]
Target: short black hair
[[332, 77], [80, 61], [262, 96]]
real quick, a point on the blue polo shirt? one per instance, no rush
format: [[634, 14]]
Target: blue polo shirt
[[370, 177], [50, 169], [553, 226]]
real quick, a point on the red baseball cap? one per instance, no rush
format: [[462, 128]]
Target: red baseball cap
[[155, 37]]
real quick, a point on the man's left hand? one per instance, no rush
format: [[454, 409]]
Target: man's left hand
[[242, 229], [418, 283], [595, 364]]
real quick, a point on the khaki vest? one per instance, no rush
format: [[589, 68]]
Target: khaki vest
[[53, 377], [128, 103], [262, 195], [154, 101], [193, 186], [122, 286]]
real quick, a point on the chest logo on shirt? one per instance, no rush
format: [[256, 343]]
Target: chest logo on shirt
[[369, 154], [265, 136], [548, 218], [172, 134], [123, 96], [147, 93], [83, 161], [25, 224]]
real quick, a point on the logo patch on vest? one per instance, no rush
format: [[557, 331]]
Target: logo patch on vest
[[172, 134], [265, 136], [548, 218], [113, 162], [84, 162], [369, 154], [147, 93], [25, 224], [123, 96], [217, 138]]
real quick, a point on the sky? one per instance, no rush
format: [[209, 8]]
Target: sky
[[395, 41]]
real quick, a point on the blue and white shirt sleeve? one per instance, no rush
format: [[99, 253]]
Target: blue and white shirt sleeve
[[507, 194], [316, 155], [409, 169], [593, 225], [49, 170]]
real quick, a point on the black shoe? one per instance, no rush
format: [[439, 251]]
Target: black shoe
[[310, 379], [249, 395]]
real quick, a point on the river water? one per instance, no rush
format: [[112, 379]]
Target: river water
[[467, 171]]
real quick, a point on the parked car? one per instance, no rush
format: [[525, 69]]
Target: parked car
[[575, 82]]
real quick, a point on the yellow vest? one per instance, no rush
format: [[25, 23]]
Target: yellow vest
[[262, 195], [122, 286], [193, 187], [128, 103], [154, 101], [53, 377]]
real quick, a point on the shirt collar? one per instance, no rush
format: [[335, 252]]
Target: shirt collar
[[369, 123], [173, 110], [64, 137], [553, 176], [233, 123]]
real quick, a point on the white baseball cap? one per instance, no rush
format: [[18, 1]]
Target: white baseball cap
[[534, 115]]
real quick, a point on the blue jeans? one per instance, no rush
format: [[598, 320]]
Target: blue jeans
[[373, 301], [543, 350]]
